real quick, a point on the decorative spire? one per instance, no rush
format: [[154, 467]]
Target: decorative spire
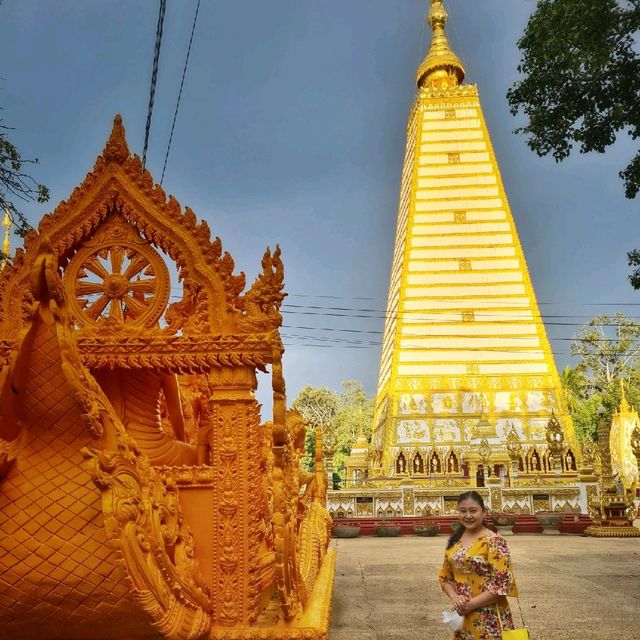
[[6, 243], [116, 149], [441, 67], [624, 405]]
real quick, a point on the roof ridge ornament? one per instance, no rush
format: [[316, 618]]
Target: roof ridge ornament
[[116, 149], [441, 66]]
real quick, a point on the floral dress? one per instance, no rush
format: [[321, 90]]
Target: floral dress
[[484, 565]]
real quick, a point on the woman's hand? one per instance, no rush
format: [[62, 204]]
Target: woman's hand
[[460, 604]]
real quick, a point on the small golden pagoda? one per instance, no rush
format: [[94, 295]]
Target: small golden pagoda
[[611, 506], [141, 496], [623, 462], [357, 464], [465, 359]]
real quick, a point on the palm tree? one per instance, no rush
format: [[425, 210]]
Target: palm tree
[[573, 384]]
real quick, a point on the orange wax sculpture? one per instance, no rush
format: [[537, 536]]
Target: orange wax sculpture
[[140, 494]]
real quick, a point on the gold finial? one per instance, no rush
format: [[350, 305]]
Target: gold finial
[[441, 67], [624, 405], [7, 222]]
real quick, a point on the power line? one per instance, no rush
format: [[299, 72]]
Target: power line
[[184, 73], [557, 303], [154, 77], [436, 316], [493, 318], [443, 335], [311, 341], [522, 307]]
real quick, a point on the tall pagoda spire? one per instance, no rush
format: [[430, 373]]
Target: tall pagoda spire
[[465, 356], [441, 67]]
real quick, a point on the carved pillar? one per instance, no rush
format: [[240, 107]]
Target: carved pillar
[[495, 496], [604, 429], [514, 449], [235, 443], [408, 499], [587, 479]]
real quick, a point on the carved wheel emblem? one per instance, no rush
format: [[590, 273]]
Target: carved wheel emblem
[[127, 283]]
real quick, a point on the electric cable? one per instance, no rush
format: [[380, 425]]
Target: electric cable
[[184, 73], [154, 77]]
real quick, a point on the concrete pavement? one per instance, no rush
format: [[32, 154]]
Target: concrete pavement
[[571, 588]]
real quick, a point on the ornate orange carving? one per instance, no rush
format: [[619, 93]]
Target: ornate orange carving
[[140, 494], [140, 562]]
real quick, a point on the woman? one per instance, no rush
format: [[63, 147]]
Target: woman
[[476, 574]]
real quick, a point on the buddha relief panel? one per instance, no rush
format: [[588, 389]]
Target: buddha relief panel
[[541, 401], [444, 403], [412, 403], [503, 427], [507, 401], [475, 402], [446, 430], [538, 428], [468, 427], [412, 431]]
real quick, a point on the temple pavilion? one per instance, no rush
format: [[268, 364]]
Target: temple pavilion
[[468, 392]]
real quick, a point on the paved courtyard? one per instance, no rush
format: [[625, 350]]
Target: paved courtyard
[[570, 588]]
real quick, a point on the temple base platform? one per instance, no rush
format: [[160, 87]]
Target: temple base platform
[[601, 531], [572, 524], [406, 498], [311, 624]]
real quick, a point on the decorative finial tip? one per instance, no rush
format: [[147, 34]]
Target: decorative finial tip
[[442, 67], [116, 149]]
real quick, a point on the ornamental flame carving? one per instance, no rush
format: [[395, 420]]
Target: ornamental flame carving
[[140, 495]]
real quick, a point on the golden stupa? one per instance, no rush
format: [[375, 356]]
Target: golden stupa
[[141, 496], [624, 465], [467, 389]]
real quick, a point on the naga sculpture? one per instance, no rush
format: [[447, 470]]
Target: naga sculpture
[[141, 496]]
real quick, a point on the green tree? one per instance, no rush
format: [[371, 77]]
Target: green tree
[[585, 417], [341, 416], [573, 387], [318, 407], [608, 348], [355, 414], [581, 83], [16, 184]]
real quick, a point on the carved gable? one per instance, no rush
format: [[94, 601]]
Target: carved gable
[[111, 239]]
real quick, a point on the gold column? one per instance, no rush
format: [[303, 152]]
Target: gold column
[[514, 449], [604, 427]]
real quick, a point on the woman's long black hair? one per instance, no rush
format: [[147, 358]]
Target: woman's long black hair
[[467, 495]]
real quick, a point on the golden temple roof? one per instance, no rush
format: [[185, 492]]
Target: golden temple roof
[[441, 66]]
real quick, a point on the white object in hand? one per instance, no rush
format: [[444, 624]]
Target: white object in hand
[[452, 619]]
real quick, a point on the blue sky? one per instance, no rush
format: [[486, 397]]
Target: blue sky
[[292, 130]]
